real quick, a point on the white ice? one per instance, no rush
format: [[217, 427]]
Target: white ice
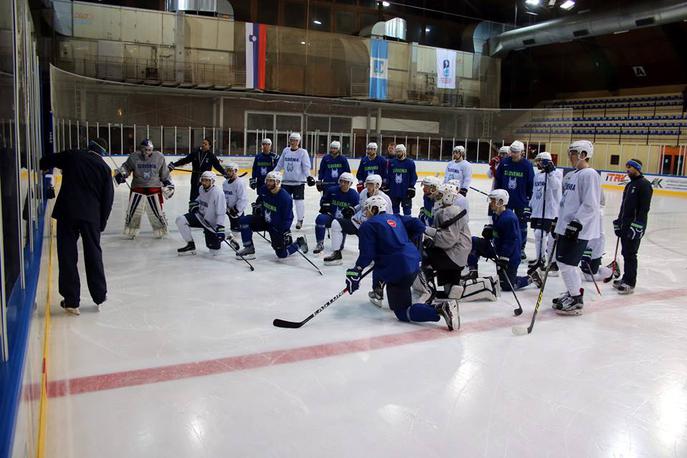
[[183, 360]]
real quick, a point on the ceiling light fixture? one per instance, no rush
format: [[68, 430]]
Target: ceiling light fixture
[[386, 4], [317, 22], [568, 5], [533, 2]]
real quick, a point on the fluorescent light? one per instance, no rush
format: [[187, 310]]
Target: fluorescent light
[[317, 22], [386, 4], [427, 29], [532, 13], [568, 5], [533, 2], [618, 32], [302, 42]]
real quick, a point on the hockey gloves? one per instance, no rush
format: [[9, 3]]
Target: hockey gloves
[[326, 208], [463, 191], [527, 213], [221, 235], [171, 166], [547, 166], [360, 186], [319, 185], [168, 190], [119, 178], [572, 230], [233, 213], [488, 232], [193, 207], [617, 228], [257, 209], [636, 230], [310, 180], [347, 212], [353, 277], [427, 242], [253, 183], [288, 240], [502, 262], [411, 193]]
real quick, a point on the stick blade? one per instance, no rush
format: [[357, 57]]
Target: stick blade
[[286, 324], [520, 330]]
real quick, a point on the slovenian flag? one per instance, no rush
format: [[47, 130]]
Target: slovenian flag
[[256, 45]]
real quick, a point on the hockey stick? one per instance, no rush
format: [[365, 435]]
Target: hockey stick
[[591, 273], [299, 251], [615, 261], [297, 324], [517, 311], [479, 191], [117, 169], [208, 228], [523, 330]]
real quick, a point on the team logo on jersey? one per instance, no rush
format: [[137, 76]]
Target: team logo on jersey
[[539, 194], [146, 175], [263, 171], [268, 216], [289, 167], [335, 173], [399, 178], [512, 183], [391, 222]]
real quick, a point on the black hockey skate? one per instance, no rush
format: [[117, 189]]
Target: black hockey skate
[[570, 305], [302, 243], [318, 248], [334, 259], [190, 248], [377, 297], [247, 252]]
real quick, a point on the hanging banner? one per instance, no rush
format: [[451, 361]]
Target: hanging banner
[[256, 46], [446, 68], [379, 73]]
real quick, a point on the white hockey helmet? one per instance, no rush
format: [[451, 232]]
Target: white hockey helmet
[[374, 178], [372, 145], [543, 156], [335, 144], [208, 175], [295, 136], [455, 182], [377, 202], [582, 146], [499, 194], [446, 194], [517, 147], [459, 149], [266, 141], [274, 175], [431, 181], [232, 166], [347, 176], [505, 149], [400, 148]]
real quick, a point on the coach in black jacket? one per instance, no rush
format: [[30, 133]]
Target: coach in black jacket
[[82, 208], [202, 160], [631, 223]]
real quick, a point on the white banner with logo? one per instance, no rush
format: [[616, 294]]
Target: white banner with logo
[[446, 68], [668, 182]]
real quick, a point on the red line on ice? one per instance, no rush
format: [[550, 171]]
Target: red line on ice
[[79, 385]]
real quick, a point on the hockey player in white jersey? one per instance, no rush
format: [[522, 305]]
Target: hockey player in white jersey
[[150, 182], [460, 169], [591, 261], [461, 200], [236, 195], [295, 162], [349, 224], [578, 223], [208, 211], [545, 203]]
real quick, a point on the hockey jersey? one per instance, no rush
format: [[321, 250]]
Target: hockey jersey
[[551, 182], [277, 209], [376, 166], [402, 176], [262, 165], [236, 194], [454, 239], [339, 199], [581, 202], [517, 178], [507, 236], [385, 239], [461, 171], [331, 169], [427, 210], [296, 166], [212, 205], [359, 216], [148, 172]]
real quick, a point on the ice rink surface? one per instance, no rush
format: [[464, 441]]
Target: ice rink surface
[[183, 360]]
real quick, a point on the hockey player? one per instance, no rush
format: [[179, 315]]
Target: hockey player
[[516, 175], [208, 211], [349, 225], [631, 223], [333, 165], [337, 202], [459, 169], [385, 239], [500, 241], [391, 150], [150, 183], [503, 153], [402, 181], [429, 187], [447, 243], [578, 222], [461, 200], [236, 195], [264, 163], [545, 202], [202, 160], [295, 162], [272, 212], [591, 259], [371, 164]]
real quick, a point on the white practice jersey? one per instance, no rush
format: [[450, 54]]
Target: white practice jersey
[[296, 166], [461, 171], [581, 202], [236, 194], [462, 202], [359, 216], [552, 199], [212, 205], [148, 172]]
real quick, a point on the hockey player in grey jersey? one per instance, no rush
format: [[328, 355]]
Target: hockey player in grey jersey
[[295, 162], [208, 211], [236, 194], [150, 182]]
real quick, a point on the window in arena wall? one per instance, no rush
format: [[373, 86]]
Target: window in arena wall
[[615, 159]]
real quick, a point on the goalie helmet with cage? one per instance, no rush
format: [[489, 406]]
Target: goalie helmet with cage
[[499, 195], [446, 194], [147, 146], [374, 179], [347, 177], [375, 202]]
